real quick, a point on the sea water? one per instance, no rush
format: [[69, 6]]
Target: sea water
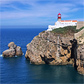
[[19, 70]]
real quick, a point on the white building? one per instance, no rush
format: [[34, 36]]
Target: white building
[[62, 23]]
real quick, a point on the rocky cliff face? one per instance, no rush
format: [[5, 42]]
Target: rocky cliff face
[[54, 49], [50, 48], [80, 59], [13, 50]]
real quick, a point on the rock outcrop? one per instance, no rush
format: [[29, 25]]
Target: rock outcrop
[[55, 49], [50, 48], [80, 59], [9, 53], [80, 36], [13, 50]]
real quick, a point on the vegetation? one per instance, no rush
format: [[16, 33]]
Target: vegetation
[[83, 42], [79, 29], [82, 36], [67, 29], [43, 31]]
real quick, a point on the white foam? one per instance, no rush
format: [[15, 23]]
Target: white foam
[[1, 55], [16, 56], [23, 53]]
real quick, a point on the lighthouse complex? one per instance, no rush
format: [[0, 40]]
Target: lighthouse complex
[[62, 23]]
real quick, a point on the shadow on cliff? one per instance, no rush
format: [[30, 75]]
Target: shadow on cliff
[[74, 51], [47, 60]]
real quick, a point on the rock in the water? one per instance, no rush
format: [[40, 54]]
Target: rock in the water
[[18, 51], [13, 50], [12, 45], [9, 53]]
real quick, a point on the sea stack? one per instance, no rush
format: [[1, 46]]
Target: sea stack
[[13, 50]]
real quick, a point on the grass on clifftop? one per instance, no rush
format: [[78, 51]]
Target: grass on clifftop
[[77, 30], [66, 30]]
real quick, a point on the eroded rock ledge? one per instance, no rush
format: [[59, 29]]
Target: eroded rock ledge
[[80, 59], [55, 49], [13, 50]]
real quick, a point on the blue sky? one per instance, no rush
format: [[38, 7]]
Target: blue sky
[[39, 12]]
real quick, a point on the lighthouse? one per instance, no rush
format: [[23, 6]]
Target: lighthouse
[[61, 23], [59, 17]]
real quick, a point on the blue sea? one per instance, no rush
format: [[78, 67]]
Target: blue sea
[[17, 70]]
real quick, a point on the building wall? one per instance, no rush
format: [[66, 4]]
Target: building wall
[[59, 19], [59, 24], [80, 24], [69, 23]]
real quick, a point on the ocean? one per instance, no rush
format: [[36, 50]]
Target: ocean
[[19, 70]]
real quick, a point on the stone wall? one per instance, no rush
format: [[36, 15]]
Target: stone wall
[[77, 35], [80, 24]]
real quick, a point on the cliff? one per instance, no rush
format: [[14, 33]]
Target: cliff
[[57, 47], [80, 36]]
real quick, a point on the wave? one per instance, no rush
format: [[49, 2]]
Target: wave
[[16, 56], [23, 53], [1, 55]]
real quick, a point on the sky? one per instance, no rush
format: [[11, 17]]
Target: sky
[[39, 12]]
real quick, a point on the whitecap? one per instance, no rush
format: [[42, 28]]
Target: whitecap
[[23, 53], [1, 55], [16, 56]]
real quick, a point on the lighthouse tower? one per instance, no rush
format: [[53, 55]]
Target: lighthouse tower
[[59, 17]]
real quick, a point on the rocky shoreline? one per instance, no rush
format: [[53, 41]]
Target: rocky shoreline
[[52, 48], [56, 49]]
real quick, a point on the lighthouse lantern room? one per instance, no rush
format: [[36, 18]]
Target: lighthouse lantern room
[[59, 17]]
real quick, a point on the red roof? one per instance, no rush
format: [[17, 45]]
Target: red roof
[[74, 20], [59, 14], [68, 20]]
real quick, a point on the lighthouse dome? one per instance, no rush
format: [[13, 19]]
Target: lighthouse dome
[[59, 14]]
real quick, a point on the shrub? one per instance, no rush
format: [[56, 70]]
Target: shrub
[[67, 29]]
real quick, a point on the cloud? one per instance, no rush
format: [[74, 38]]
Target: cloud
[[49, 10], [32, 2], [38, 9]]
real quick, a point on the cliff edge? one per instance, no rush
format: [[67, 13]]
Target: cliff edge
[[57, 47]]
